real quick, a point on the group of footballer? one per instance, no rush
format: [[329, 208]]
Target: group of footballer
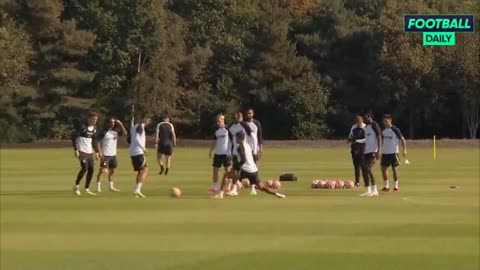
[[368, 141], [237, 147]]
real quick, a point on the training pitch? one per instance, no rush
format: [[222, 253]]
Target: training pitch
[[428, 225]]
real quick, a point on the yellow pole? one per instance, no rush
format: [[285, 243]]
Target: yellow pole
[[434, 148]]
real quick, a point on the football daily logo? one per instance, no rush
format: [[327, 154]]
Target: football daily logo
[[438, 30]]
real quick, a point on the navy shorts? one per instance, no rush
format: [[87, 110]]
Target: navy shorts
[[390, 160], [221, 160], [139, 163], [86, 160], [252, 177], [369, 159], [165, 149], [109, 162]]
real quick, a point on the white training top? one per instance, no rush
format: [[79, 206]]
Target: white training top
[[391, 136], [354, 127], [234, 129], [249, 165], [84, 142], [222, 142], [371, 132], [109, 143], [253, 138], [138, 140]]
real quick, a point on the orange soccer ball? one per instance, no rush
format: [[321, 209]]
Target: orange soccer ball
[[175, 192]]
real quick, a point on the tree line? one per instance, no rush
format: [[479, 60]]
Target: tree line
[[305, 66]]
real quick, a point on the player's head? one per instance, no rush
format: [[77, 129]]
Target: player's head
[[367, 117], [166, 118], [249, 113], [220, 120], [92, 118], [359, 119], [240, 136], [111, 122], [387, 120], [238, 117], [146, 119]]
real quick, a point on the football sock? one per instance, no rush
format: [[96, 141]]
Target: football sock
[[110, 184], [385, 183], [369, 189], [396, 184], [99, 185], [138, 187], [375, 188], [166, 171], [234, 188]]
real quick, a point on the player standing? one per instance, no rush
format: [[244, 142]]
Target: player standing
[[248, 168], [108, 142], [84, 142], [165, 140], [256, 138], [357, 139], [372, 150], [391, 135], [238, 126], [137, 150], [223, 151]]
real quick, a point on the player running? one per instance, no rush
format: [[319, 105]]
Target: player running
[[256, 138], [248, 168], [357, 147], [372, 150], [108, 142], [223, 152], [84, 142], [165, 140], [137, 152], [391, 135]]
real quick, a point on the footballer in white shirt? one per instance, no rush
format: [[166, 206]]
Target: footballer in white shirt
[[222, 149], [108, 145], [137, 150], [391, 137], [373, 143]]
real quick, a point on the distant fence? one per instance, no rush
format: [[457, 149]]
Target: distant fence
[[443, 143]]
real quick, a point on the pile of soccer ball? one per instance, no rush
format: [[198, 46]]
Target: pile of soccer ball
[[332, 184], [272, 184]]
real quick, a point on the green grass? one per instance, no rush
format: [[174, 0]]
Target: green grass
[[426, 226]]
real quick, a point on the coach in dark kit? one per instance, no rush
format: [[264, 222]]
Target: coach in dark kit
[[357, 146]]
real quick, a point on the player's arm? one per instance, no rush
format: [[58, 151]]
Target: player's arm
[[401, 138], [259, 136], [350, 135], [96, 145], [75, 135], [241, 153], [378, 134], [212, 147], [247, 128], [123, 130], [157, 135], [230, 143], [174, 136]]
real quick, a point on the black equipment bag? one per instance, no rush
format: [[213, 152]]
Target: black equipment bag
[[288, 177]]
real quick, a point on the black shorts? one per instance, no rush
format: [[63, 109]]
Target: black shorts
[[221, 160], [390, 160], [86, 160], [165, 149], [369, 158], [252, 177], [139, 163], [109, 162]]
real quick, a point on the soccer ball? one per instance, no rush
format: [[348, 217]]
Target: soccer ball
[[175, 192], [315, 184], [331, 184], [322, 184], [340, 184], [245, 183], [349, 184], [276, 184], [270, 184]]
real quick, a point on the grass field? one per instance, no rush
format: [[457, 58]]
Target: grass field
[[425, 226]]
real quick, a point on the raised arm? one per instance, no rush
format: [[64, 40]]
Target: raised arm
[[122, 127]]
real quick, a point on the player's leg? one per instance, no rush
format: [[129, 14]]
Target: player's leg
[[366, 175], [235, 175], [395, 164], [225, 180], [386, 184], [356, 168], [90, 169], [167, 151], [371, 163], [168, 163], [80, 174], [159, 161], [215, 169], [112, 165], [103, 169], [140, 166], [255, 182]]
